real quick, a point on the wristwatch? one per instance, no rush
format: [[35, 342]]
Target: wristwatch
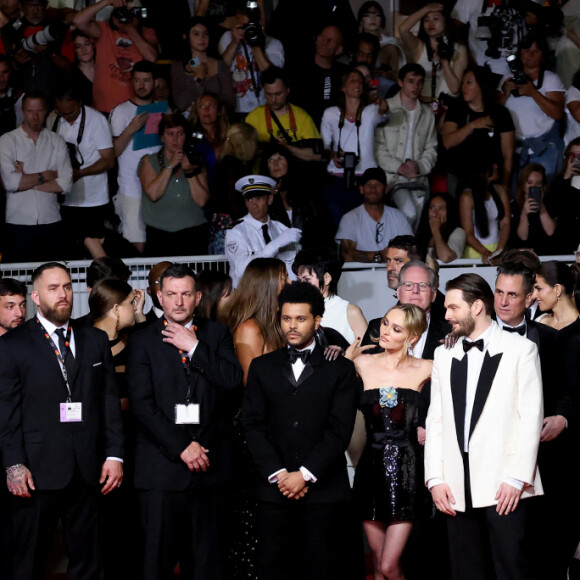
[[377, 258], [41, 179]]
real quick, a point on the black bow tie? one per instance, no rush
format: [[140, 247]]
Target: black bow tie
[[521, 330], [294, 354], [476, 343]]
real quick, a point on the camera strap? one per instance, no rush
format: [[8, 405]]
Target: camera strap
[[80, 134], [270, 115], [253, 76], [358, 121]]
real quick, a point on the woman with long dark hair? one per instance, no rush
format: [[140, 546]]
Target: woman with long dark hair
[[484, 214]]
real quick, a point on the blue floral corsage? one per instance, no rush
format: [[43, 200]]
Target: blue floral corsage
[[388, 397]]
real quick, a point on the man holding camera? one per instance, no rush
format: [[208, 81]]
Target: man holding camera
[[249, 52], [88, 138], [282, 122], [120, 43], [35, 168]]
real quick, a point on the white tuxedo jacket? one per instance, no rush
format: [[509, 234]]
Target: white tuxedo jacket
[[506, 420]]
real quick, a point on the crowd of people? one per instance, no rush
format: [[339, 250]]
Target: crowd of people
[[121, 139], [213, 431]]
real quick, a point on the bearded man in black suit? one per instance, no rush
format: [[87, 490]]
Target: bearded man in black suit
[[180, 371], [299, 412], [61, 429]]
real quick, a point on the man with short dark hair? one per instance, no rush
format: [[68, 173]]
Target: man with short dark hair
[[154, 281], [406, 145], [483, 433], [299, 411], [35, 168], [400, 250], [12, 304], [61, 429], [256, 235], [88, 137], [178, 370], [365, 231]]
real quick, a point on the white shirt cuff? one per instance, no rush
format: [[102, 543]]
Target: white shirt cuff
[[519, 485], [433, 482], [274, 477], [307, 475], [115, 459], [190, 353]]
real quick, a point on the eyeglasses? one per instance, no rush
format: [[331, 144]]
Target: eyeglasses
[[422, 286], [379, 236]]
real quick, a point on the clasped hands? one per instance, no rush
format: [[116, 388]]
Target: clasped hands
[[292, 485]]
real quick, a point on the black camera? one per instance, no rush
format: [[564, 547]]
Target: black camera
[[518, 75], [254, 35], [444, 48], [499, 30], [124, 14], [50, 33], [349, 162], [191, 150]]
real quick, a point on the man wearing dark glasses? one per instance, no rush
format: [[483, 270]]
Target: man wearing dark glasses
[[364, 232]]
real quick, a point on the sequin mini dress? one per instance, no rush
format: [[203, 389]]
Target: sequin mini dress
[[387, 475]]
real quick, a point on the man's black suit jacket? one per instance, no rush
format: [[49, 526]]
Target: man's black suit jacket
[[309, 422], [32, 388], [157, 382]]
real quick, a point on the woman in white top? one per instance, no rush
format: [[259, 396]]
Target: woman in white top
[[324, 273], [434, 49]]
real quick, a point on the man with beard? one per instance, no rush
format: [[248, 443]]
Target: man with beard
[[35, 168], [182, 373], [124, 124], [483, 433], [299, 413], [61, 431]]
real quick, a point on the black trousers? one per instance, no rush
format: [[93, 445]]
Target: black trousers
[[35, 520], [180, 527], [480, 540]]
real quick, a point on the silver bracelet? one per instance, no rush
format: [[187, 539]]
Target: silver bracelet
[[12, 468]]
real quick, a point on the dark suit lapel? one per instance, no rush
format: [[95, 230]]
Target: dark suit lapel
[[79, 352], [532, 333], [38, 334], [458, 392], [486, 376]]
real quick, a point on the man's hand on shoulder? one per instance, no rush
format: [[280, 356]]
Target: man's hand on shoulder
[[19, 480], [194, 456], [443, 498], [182, 338], [508, 498]]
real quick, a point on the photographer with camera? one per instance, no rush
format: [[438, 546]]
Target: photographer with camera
[[535, 98], [88, 137], [248, 52], [434, 48], [37, 58], [406, 145], [199, 73], [120, 43], [348, 134], [175, 191]]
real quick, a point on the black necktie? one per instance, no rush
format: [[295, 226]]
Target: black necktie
[[521, 330], [68, 361], [476, 343], [265, 233], [294, 354]]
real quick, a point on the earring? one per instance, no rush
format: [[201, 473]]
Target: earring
[[117, 323], [558, 296]]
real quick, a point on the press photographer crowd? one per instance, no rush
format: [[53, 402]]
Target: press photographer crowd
[[210, 437]]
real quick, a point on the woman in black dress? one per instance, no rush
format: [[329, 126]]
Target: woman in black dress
[[388, 475]]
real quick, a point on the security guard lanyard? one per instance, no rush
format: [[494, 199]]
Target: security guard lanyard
[[61, 356]]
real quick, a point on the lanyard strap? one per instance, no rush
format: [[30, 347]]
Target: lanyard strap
[[61, 356], [185, 365], [358, 122]]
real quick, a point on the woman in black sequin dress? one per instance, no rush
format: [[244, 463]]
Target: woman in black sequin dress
[[386, 480]]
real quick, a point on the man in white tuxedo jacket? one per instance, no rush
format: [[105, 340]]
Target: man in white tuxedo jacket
[[483, 433]]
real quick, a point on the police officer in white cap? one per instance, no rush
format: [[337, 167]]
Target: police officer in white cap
[[256, 235]]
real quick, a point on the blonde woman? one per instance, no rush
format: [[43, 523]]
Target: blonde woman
[[388, 475]]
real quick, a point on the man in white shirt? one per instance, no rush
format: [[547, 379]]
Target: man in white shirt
[[88, 136], [124, 124], [35, 168], [483, 432], [365, 231], [256, 235]]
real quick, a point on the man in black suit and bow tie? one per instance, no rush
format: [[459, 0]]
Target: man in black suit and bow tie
[[299, 412], [483, 433], [549, 524], [180, 372], [61, 429]]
